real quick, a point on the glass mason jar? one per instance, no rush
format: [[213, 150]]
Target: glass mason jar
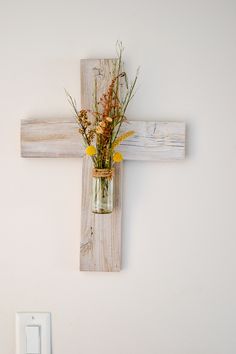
[[102, 191]]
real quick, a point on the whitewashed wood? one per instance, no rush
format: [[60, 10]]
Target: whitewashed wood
[[50, 138], [100, 234], [157, 141], [100, 247], [154, 141]]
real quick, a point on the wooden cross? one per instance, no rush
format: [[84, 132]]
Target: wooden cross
[[154, 141]]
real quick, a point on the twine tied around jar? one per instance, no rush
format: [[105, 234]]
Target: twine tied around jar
[[103, 172]]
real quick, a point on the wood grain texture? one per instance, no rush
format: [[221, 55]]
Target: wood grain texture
[[100, 247], [100, 234], [50, 138], [154, 141]]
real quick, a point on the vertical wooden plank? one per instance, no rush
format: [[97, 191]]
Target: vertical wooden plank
[[100, 234]]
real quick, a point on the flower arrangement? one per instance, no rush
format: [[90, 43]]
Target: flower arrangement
[[100, 129]]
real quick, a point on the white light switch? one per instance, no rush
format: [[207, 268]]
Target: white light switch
[[33, 339], [33, 333]]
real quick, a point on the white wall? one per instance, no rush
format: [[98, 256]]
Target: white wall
[[177, 292]]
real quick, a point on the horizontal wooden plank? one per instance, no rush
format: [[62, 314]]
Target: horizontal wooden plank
[[157, 141]]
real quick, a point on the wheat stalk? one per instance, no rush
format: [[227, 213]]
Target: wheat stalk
[[122, 137]]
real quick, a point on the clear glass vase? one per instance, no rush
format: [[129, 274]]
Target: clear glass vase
[[102, 195]]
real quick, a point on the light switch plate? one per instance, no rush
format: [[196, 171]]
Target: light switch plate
[[41, 319]]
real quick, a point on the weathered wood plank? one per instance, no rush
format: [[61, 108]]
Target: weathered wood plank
[[50, 138], [157, 141], [100, 247], [100, 234]]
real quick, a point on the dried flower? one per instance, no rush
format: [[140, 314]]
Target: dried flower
[[100, 126], [99, 130]]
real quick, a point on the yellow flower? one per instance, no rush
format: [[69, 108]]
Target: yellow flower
[[117, 157], [90, 150]]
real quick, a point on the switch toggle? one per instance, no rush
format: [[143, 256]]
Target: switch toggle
[[33, 340]]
